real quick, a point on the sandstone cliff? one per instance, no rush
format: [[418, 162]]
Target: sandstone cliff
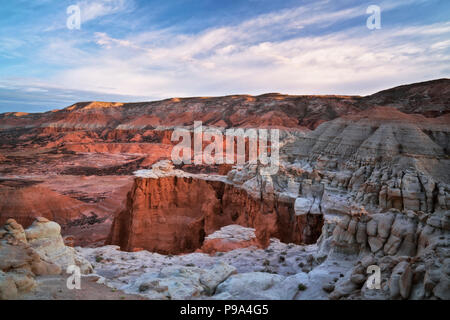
[[172, 212]]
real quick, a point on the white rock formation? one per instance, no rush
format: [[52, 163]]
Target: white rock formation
[[25, 254], [45, 238]]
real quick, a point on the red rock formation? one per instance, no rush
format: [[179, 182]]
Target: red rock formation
[[173, 214]]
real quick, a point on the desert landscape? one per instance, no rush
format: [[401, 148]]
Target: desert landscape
[[362, 181]]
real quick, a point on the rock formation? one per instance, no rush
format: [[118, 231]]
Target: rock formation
[[229, 238], [36, 251], [171, 211], [177, 283], [411, 250]]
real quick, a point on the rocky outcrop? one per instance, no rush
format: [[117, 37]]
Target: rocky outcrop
[[361, 152], [379, 158], [177, 283], [411, 250], [36, 251], [229, 238], [260, 286], [45, 238], [170, 211], [19, 263]]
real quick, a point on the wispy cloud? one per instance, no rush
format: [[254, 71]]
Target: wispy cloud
[[303, 50], [249, 58], [98, 8]]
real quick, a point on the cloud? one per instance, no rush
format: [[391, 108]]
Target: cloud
[[91, 10], [35, 90], [441, 45], [251, 57], [106, 41], [267, 53]]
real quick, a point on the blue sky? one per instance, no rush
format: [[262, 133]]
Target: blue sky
[[134, 50]]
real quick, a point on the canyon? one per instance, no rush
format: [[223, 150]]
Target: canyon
[[172, 212], [361, 181]]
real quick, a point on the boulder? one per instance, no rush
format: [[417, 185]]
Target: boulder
[[8, 288], [250, 286], [177, 282], [45, 238], [229, 238]]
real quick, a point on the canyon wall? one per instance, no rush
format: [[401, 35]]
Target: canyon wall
[[174, 213]]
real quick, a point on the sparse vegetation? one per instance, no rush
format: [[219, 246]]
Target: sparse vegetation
[[144, 287], [302, 287], [269, 271]]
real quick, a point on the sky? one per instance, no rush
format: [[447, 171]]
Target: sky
[[135, 50]]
